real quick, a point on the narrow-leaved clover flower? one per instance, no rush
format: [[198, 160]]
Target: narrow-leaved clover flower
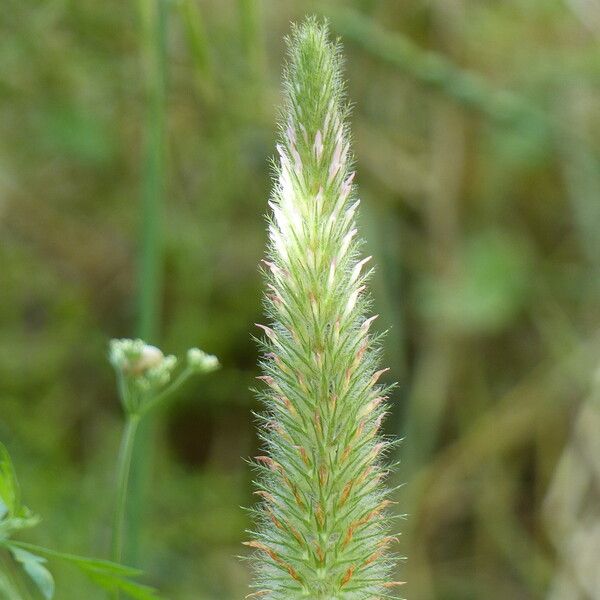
[[322, 522]]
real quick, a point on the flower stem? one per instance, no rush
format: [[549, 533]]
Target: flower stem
[[123, 473], [153, 18], [167, 393]]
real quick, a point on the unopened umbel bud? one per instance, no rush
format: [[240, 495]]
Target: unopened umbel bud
[[201, 361]]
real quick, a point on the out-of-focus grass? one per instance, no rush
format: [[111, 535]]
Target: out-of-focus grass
[[476, 133], [153, 26]]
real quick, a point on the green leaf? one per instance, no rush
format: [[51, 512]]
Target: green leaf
[[84, 563], [24, 520], [133, 589], [13, 516], [108, 575], [9, 487], [33, 565]]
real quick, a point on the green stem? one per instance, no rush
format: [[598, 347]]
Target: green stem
[[153, 16], [434, 71], [123, 472], [167, 393]]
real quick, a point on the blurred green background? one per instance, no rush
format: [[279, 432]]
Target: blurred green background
[[135, 140]]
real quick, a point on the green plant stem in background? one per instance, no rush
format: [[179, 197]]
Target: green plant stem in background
[[435, 71], [153, 16], [168, 393], [250, 37], [195, 29], [154, 22], [123, 471]]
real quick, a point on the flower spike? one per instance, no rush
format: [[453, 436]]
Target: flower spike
[[321, 531]]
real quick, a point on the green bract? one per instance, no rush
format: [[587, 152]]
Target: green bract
[[322, 524], [13, 515], [200, 361]]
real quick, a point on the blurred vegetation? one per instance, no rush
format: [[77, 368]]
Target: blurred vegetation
[[476, 135]]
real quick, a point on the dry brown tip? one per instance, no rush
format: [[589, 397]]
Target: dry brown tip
[[373, 557], [302, 382], [348, 537], [333, 400], [386, 541], [359, 429], [345, 454], [268, 380], [322, 475], [364, 474], [266, 496], [360, 353], [293, 573], [319, 358], [274, 519], [269, 462], [297, 496], [268, 331], [318, 426], [303, 455], [345, 493], [319, 515], [375, 512], [258, 594], [377, 375], [288, 404], [347, 576], [296, 534]]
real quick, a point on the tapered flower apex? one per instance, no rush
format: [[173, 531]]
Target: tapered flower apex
[[321, 524]]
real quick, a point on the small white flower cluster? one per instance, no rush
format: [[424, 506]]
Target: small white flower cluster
[[145, 364], [144, 372], [200, 361]]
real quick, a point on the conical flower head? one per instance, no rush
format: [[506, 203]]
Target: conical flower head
[[322, 523]]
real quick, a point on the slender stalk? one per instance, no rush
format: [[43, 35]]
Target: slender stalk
[[195, 30], [435, 71], [168, 393], [153, 14], [123, 473], [250, 34]]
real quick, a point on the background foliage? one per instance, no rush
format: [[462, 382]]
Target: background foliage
[[476, 133]]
